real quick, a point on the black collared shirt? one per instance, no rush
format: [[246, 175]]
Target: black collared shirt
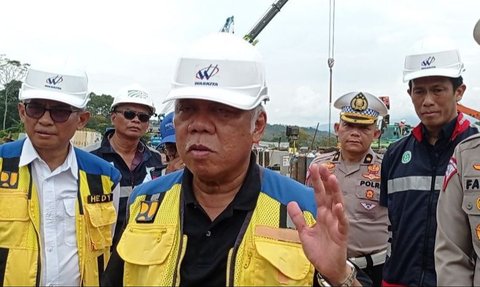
[[205, 260], [146, 161]]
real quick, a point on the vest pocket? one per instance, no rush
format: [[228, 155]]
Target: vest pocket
[[14, 219], [100, 216], [147, 252], [146, 244], [278, 258]]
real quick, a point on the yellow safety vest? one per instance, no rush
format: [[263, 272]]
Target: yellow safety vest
[[20, 247], [153, 245]]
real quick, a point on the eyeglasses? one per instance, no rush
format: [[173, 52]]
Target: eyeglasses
[[58, 115], [130, 115]]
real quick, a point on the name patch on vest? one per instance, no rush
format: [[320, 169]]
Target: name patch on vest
[[99, 198]]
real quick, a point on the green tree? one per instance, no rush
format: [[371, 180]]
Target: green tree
[[99, 107], [12, 121], [10, 70]]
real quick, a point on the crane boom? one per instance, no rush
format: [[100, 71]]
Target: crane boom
[[468, 111], [276, 6]]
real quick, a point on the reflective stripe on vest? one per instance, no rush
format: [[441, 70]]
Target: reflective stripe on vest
[[423, 183]]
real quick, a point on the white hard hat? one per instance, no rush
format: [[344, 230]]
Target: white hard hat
[[476, 32], [57, 84], [134, 94], [360, 108], [446, 63], [221, 68]]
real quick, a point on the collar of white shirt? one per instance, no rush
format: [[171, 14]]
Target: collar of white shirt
[[29, 154]]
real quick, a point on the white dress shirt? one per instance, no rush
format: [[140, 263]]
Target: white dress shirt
[[57, 191]]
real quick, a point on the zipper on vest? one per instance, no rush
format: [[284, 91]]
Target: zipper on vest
[[37, 232], [183, 244], [238, 241]]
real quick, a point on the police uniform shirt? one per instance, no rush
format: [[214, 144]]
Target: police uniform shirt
[[457, 245], [360, 183]]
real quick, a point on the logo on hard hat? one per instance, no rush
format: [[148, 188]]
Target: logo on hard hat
[[137, 94], [427, 63], [359, 103], [53, 81], [207, 73]]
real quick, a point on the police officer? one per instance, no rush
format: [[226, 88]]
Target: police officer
[[457, 246], [357, 168], [122, 146]]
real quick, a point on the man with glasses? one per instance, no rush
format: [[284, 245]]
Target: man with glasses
[[57, 205], [122, 146], [168, 144]]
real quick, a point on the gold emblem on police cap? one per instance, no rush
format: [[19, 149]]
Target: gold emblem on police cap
[[359, 103]]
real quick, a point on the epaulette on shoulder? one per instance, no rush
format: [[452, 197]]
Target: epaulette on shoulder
[[471, 142], [330, 156]]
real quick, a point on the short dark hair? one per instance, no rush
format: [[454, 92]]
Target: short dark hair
[[456, 82]]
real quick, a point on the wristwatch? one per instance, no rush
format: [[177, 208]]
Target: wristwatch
[[348, 282]]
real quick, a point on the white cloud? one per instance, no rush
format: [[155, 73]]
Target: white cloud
[[124, 42]]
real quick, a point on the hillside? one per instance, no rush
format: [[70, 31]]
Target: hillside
[[306, 134]]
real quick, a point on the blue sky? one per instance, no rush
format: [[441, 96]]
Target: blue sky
[[120, 43]]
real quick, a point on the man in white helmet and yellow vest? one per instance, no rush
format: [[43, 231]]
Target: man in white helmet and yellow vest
[[413, 167], [57, 202], [123, 146], [357, 168], [224, 220], [457, 246]]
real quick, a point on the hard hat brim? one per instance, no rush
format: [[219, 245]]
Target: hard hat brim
[[450, 73], [168, 139], [74, 101], [476, 32], [238, 100]]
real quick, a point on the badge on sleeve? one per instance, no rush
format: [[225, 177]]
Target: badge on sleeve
[[451, 171]]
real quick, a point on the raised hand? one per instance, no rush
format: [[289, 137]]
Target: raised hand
[[325, 243]]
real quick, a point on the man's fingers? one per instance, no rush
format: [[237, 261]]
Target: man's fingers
[[339, 213], [296, 215], [333, 189], [317, 184]]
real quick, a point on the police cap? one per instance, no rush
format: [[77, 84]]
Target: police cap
[[360, 108]]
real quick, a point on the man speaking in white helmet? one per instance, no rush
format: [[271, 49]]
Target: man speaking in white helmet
[[224, 220], [457, 246], [413, 167]]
